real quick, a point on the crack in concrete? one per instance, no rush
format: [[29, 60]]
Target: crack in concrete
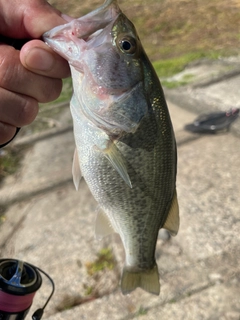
[[24, 196]]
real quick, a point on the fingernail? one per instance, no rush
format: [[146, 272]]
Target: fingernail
[[39, 59]]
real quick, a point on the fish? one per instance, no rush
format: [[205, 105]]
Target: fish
[[125, 143]]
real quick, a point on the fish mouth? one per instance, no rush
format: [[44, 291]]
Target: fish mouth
[[63, 38]]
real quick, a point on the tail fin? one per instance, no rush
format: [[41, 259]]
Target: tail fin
[[148, 280]]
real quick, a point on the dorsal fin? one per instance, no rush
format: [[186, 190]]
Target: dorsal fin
[[172, 221]]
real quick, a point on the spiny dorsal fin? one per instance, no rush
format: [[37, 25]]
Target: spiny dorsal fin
[[172, 221], [76, 172], [103, 226]]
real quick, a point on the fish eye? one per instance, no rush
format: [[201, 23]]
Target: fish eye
[[128, 45]]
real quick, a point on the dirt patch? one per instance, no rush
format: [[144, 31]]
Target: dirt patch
[[170, 28]]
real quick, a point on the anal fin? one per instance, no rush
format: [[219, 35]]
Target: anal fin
[[103, 226], [172, 221]]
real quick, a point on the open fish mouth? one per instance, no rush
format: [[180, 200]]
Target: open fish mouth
[[83, 28]]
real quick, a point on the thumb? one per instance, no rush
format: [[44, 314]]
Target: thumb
[[39, 17]]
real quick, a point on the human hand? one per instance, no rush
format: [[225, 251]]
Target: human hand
[[33, 74]]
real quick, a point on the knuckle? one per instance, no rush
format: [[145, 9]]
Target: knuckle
[[28, 111], [8, 68], [51, 90], [6, 132], [16, 109]]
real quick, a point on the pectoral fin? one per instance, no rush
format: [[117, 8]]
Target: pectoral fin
[[118, 162], [172, 221], [76, 172], [103, 226]]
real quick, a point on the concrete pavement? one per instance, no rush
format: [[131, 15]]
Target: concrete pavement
[[49, 224]]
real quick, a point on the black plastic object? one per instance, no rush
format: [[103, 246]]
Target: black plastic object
[[16, 43], [213, 122], [3, 145]]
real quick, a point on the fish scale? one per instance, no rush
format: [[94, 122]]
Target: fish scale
[[125, 144], [129, 205]]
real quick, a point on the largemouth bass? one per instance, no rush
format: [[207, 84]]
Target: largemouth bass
[[125, 144]]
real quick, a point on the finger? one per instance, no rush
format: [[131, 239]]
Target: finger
[[36, 56], [41, 17], [14, 77], [7, 132], [17, 110], [28, 18]]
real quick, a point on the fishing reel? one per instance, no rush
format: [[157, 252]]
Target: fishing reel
[[19, 281]]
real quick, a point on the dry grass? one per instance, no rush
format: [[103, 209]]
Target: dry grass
[[170, 28]]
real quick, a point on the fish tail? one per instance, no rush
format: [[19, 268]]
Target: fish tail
[[148, 280]]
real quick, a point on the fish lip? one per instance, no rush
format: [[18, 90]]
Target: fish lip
[[66, 39], [87, 25]]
